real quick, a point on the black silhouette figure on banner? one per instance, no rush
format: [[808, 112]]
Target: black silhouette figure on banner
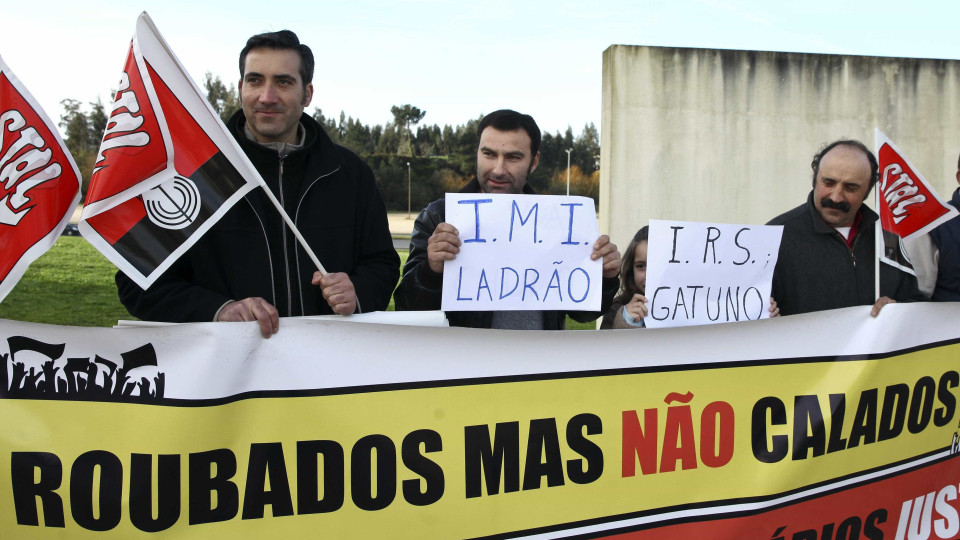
[[100, 379]]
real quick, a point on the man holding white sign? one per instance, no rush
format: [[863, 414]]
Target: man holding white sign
[[826, 258], [508, 151]]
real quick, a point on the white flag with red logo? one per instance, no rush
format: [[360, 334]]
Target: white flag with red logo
[[39, 181], [907, 204], [167, 167]]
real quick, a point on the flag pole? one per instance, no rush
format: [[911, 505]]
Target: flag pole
[[878, 233], [296, 232]]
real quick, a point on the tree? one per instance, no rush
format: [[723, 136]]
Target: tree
[[329, 125], [442, 158], [357, 137], [586, 149], [581, 183], [76, 128], [82, 134], [224, 100], [389, 141], [404, 117], [97, 122]]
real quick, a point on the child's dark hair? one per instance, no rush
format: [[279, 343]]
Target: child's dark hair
[[627, 286]]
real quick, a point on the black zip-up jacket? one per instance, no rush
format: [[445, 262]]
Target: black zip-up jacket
[[816, 270], [332, 197], [946, 238], [421, 288]]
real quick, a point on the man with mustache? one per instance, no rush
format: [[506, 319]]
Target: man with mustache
[[249, 266], [827, 252], [507, 152]]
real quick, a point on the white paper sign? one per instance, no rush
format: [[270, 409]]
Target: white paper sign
[[707, 273], [522, 252]]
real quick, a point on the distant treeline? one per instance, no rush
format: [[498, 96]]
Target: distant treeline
[[441, 159]]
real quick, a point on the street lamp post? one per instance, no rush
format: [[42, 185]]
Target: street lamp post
[[408, 190], [568, 169]]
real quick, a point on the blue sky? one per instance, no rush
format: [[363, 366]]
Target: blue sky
[[456, 60]]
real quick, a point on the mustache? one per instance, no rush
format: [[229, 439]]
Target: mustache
[[843, 206]]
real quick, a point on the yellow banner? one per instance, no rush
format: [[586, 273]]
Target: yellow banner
[[446, 447]]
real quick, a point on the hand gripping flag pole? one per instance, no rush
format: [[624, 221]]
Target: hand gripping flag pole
[[39, 181], [167, 168]]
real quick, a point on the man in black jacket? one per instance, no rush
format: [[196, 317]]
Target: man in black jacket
[[507, 153], [827, 252], [249, 266]]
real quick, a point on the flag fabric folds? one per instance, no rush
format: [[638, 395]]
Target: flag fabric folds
[[39, 181], [167, 168], [908, 206]]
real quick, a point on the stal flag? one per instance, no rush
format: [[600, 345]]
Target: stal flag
[[39, 181], [167, 167], [907, 204]]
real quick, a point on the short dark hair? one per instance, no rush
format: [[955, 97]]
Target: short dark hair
[[874, 167], [958, 164], [508, 120], [281, 40]]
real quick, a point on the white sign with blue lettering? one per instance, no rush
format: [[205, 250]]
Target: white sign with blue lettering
[[706, 273], [522, 252]]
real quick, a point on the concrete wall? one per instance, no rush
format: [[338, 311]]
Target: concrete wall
[[728, 136]]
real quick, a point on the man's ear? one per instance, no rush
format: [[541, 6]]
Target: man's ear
[[958, 177], [308, 94], [536, 161]]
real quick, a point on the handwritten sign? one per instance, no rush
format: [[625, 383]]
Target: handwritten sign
[[522, 252], [707, 273]]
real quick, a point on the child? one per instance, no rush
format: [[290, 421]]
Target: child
[[629, 306]]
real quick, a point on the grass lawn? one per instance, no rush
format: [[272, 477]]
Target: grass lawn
[[72, 284]]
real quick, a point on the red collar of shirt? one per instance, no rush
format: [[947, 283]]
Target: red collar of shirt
[[853, 230]]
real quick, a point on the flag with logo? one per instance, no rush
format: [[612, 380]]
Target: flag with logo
[[167, 168], [39, 181], [908, 206]]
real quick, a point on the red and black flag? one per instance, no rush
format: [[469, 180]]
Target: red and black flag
[[39, 181], [908, 206], [167, 167]]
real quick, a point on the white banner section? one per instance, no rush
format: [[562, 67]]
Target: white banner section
[[707, 273], [217, 361], [522, 252]]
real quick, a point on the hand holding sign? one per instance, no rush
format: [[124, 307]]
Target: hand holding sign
[[443, 245], [606, 251]]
